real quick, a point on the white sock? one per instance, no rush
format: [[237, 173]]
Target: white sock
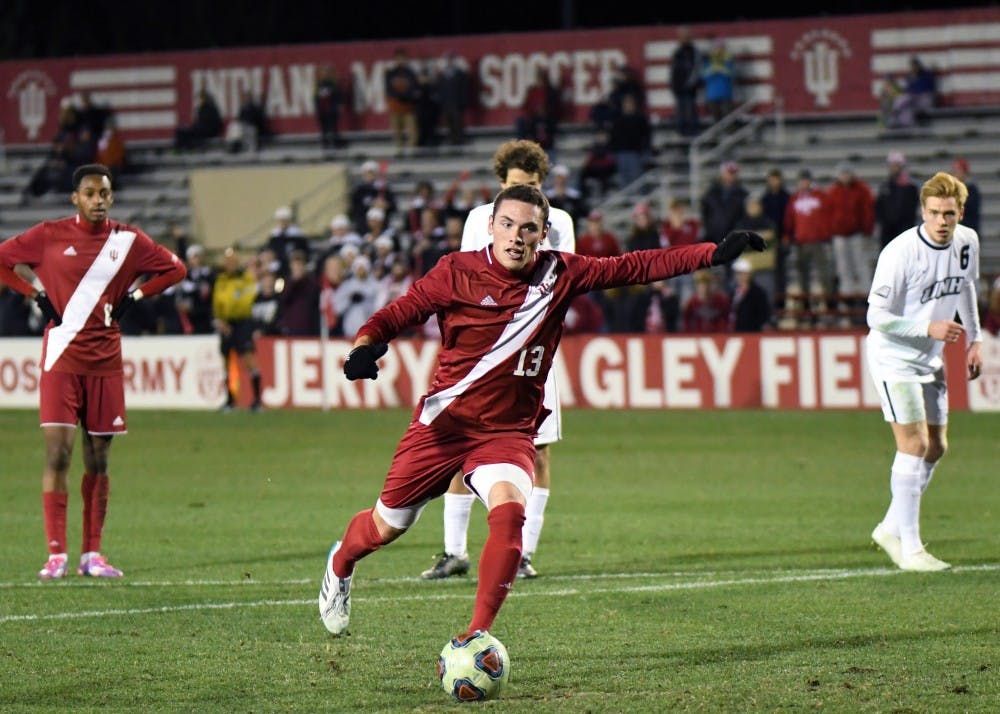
[[904, 510], [457, 510], [926, 473], [534, 516]]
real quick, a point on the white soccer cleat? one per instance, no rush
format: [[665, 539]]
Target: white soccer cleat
[[888, 542], [335, 598], [923, 562]]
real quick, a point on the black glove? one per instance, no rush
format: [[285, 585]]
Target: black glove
[[361, 362], [123, 306], [357, 297], [736, 242], [47, 308]]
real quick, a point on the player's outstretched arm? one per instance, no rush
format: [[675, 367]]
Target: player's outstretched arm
[[735, 242], [362, 361]]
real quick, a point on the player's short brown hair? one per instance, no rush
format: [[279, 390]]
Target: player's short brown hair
[[525, 193], [522, 154]]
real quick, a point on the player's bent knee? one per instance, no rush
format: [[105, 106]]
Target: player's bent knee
[[484, 478], [399, 518]]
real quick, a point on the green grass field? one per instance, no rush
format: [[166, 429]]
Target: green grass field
[[691, 561]]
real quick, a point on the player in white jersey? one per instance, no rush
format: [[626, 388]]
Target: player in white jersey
[[923, 278], [514, 162]]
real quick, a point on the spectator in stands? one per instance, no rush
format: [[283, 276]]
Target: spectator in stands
[[599, 167], [250, 128], [433, 242], [394, 283], [750, 305], [384, 257], [897, 202], [54, 174], [627, 305], [193, 296], [919, 96], [111, 152], [626, 83], [723, 203], [423, 197], [584, 316], [91, 115], [971, 216], [334, 273], [428, 107], [299, 301], [597, 241], [402, 92], [206, 124], [341, 233], [377, 228], [718, 73], [852, 222], [774, 200], [707, 310], [630, 140], [685, 81], [461, 197], [680, 227], [266, 310], [373, 191], [329, 98], [562, 194], [354, 300], [454, 92], [808, 237], [662, 307], [762, 264], [286, 236], [538, 119]]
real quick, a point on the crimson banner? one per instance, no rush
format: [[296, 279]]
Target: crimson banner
[[814, 65]]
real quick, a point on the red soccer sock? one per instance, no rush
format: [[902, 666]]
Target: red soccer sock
[[54, 509], [498, 563], [95, 491], [360, 539]]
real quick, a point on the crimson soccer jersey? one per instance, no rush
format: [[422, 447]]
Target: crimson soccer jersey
[[86, 271], [499, 329]]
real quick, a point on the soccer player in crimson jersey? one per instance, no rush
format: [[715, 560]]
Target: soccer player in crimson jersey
[[87, 265], [924, 277], [500, 311]]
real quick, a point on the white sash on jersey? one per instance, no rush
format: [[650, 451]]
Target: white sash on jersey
[[81, 304], [522, 325]]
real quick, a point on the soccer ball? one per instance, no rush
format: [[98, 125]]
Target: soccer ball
[[475, 667]]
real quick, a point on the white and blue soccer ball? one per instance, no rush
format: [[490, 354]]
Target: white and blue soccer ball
[[474, 667]]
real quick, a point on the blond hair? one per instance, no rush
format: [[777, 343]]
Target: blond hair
[[944, 185]]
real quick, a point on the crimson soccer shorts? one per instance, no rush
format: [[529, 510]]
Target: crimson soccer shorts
[[97, 403], [427, 458]]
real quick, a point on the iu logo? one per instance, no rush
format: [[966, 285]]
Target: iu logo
[[820, 52], [30, 90]]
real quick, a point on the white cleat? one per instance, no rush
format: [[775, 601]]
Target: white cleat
[[335, 598], [888, 542], [923, 562]]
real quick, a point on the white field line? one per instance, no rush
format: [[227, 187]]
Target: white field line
[[800, 577]]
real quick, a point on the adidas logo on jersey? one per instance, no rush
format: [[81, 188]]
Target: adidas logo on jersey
[[118, 421], [70, 251], [488, 302]]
